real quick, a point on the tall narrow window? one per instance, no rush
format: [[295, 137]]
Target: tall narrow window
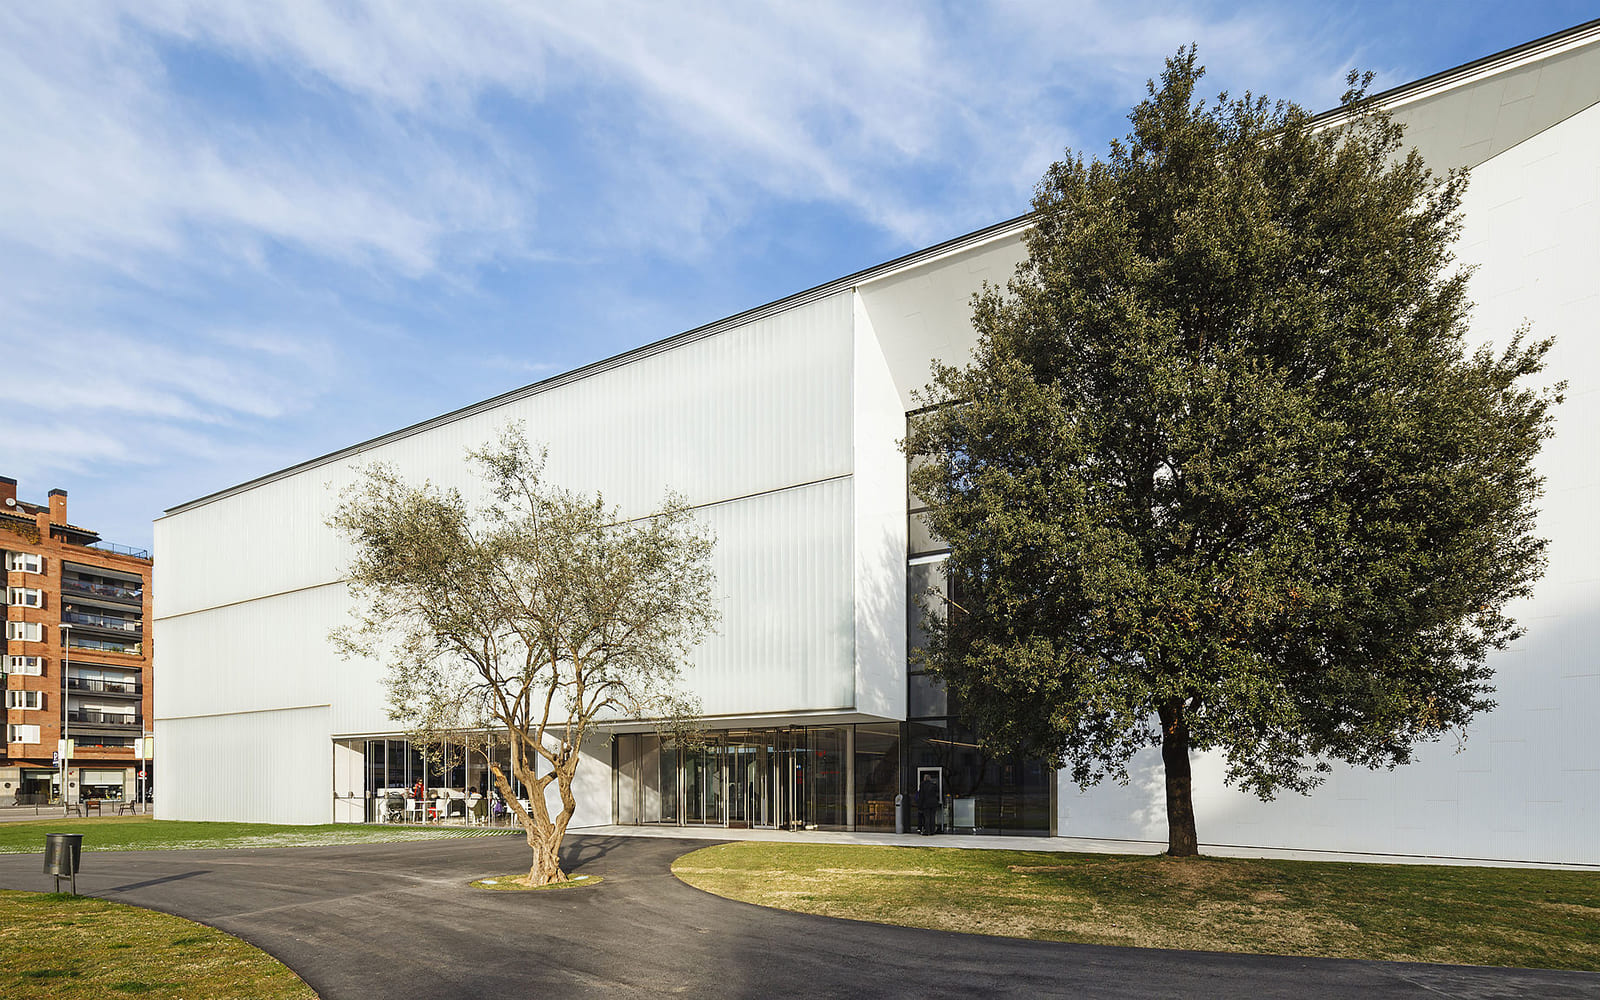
[[33, 700]]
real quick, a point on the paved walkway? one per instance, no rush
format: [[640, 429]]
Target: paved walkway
[[21, 813], [398, 920]]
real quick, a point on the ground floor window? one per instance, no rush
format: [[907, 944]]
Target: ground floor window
[[393, 781], [830, 778], [983, 793], [850, 777], [797, 778], [102, 784]]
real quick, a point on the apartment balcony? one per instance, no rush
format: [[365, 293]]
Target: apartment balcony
[[105, 591], [92, 686], [112, 720], [104, 623], [89, 645]]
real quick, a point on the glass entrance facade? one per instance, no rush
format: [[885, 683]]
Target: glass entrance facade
[[796, 778], [828, 778]]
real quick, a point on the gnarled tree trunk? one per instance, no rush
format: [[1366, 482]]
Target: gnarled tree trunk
[[1182, 842], [544, 836]]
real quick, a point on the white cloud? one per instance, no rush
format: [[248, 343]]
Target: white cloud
[[223, 210]]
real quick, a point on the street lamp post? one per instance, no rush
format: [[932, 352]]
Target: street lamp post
[[66, 732]]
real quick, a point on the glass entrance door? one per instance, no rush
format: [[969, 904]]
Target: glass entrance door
[[747, 756], [703, 791]]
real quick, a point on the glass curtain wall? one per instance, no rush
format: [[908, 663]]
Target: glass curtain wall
[[985, 794], [877, 775], [394, 769], [796, 778]]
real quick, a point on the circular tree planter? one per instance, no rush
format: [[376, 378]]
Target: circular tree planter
[[519, 883]]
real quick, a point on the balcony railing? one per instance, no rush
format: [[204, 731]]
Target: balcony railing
[[105, 645], [125, 550], [92, 718], [102, 589], [104, 687], [101, 621]]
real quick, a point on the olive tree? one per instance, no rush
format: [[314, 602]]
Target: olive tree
[[528, 619]]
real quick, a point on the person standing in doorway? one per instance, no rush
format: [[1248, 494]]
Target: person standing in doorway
[[927, 804]]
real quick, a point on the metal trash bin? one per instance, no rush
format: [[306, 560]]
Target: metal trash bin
[[62, 852]]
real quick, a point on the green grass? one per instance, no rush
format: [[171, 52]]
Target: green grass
[[141, 833], [63, 947], [1420, 913]]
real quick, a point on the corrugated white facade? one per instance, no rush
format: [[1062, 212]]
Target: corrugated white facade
[[783, 431], [753, 424]]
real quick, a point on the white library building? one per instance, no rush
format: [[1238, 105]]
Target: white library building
[[781, 426]]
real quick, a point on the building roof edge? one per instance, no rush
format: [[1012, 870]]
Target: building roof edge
[[1486, 66], [837, 285]]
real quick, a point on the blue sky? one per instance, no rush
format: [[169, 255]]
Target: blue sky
[[237, 236]]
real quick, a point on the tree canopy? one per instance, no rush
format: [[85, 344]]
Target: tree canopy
[[1223, 472], [529, 619]]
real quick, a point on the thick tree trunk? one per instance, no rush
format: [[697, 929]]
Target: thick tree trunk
[[544, 836], [1182, 841], [546, 868]]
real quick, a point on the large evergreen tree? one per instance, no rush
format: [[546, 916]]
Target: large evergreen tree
[[1223, 473]]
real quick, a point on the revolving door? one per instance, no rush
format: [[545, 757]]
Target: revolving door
[[790, 779]]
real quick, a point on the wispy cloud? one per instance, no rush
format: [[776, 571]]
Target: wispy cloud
[[233, 233]]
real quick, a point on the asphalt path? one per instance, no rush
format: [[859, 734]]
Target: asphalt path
[[399, 920]]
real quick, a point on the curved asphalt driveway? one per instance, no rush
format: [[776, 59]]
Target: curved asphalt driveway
[[398, 920]]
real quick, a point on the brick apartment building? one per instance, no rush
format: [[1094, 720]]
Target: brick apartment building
[[77, 652]]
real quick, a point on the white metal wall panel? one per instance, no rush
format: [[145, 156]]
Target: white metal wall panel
[[591, 786], [783, 567], [1467, 124], [925, 312], [266, 654], [748, 410], [1526, 784], [880, 530], [256, 767], [784, 580]]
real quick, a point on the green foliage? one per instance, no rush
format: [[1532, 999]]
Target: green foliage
[[1222, 452], [526, 620]]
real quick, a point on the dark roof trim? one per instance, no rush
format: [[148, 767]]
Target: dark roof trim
[[698, 333], [1459, 74]]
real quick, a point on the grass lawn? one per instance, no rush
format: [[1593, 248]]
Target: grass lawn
[[63, 947], [1412, 913], [141, 833]]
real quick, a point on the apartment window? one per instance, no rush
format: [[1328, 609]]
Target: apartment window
[[31, 666], [22, 734], [24, 562], [33, 700], [94, 740], [25, 631], [27, 597]]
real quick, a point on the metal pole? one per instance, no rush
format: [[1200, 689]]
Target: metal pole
[[144, 739], [66, 731]]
